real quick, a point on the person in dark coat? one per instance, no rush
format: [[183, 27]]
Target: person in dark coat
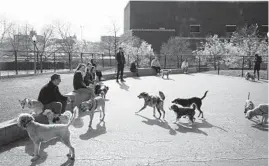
[[257, 64], [120, 64], [51, 97], [133, 68]]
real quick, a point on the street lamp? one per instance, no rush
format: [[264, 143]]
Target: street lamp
[[34, 40]]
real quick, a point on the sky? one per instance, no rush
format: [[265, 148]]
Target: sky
[[89, 19]]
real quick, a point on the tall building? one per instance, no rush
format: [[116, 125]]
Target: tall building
[[157, 21]]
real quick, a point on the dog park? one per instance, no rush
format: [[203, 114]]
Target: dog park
[[223, 137]]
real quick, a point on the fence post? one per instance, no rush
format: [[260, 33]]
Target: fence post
[[110, 59], [41, 66], [137, 60], [70, 67], [16, 63], [199, 64], [92, 55], [165, 61], [54, 62], [242, 74], [218, 67], [177, 62], [103, 60], [81, 59]]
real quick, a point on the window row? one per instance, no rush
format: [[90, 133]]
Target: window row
[[229, 28]]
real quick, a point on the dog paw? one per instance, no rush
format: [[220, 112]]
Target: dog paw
[[35, 158]]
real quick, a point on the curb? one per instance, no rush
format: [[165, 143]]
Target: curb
[[10, 131]]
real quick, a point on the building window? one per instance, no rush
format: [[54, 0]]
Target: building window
[[230, 28], [195, 28], [264, 28]]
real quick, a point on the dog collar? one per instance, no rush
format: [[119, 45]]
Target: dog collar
[[27, 123]]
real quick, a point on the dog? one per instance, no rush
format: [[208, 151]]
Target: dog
[[44, 132], [58, 119], [97, 103], [184, 111], [153, 101], [166, 72], [101, 90], [249, 76], [35, 107], [249, 105], [188, 102], [261, 110]]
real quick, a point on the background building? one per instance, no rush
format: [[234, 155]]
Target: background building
[[156, 21]]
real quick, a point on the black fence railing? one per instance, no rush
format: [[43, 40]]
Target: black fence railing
[[27, 62]]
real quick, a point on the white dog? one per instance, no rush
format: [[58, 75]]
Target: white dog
[[249, 105], [58, 119], [261, 110], [33, 105], [43, 132], [98, 103], [166, 72]]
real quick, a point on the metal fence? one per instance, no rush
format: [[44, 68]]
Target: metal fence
[[29, 62]]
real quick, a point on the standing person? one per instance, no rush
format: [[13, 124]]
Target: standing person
[[155, 64], [257, 64], [120, 64], [78, 81], [133, 68], [97, 71], [185, 66], [51, 97]]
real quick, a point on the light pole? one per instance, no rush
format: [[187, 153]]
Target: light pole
[[34, 40]]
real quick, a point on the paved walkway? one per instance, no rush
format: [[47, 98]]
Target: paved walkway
[[224, 137]]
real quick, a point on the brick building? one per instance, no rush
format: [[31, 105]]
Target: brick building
[[156, 21]]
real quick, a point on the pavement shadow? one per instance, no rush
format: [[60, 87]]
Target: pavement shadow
[[206, 124], [92, 133], [168, 79], [136, 78], [159, 123], [68, 163], [124, 86], [263, 127]]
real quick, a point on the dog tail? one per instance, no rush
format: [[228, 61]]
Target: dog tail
[[74, 116], [161, 94], [204, 95], [248, 95]]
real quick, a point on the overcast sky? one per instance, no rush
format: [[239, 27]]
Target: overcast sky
[[91, 17]]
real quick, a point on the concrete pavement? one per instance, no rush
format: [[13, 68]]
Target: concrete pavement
[[224, 137]]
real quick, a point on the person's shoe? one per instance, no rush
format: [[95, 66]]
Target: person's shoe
[[117, 81], [122, 80]]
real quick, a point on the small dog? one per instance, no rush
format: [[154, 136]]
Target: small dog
[[166, 72], [36, 107], [249, 76], [43, 132], [101, 90], [188, 102], [97, 103], [261, 110], [184, 111], [58, 119], [153, 101], [249, 105]]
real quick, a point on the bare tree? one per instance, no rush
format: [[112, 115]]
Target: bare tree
[[4, 29]]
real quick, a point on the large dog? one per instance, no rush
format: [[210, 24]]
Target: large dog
[[97, 103], [33, 105], [43, 132], [101, 90], [261, 110], [188, 102], [153, 101], [184, 111], [58, 119]]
